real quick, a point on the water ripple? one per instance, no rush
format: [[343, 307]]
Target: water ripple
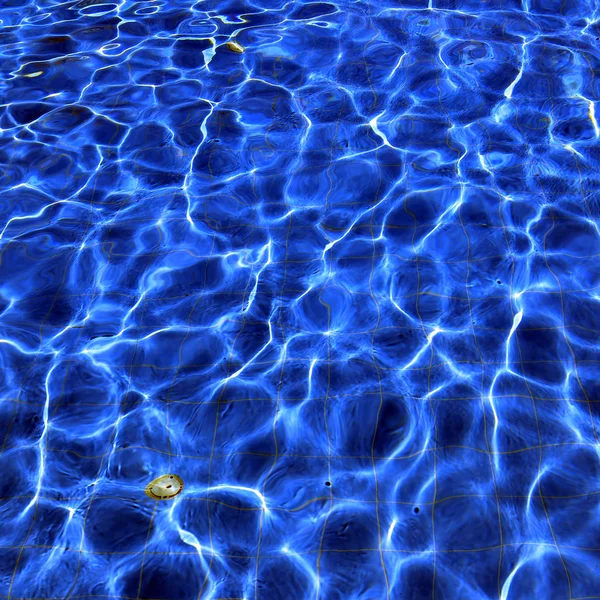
[[329, 267]]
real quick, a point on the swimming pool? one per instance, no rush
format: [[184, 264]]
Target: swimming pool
[[299, 299]]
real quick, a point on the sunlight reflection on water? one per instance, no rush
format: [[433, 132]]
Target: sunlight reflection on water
[[332, 266]]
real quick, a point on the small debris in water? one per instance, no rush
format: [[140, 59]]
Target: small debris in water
[[235, 47], [164, 487]]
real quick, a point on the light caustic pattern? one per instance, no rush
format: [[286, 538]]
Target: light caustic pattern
[[344, 284]]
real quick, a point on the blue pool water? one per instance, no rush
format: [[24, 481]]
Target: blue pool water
[[341, 277]]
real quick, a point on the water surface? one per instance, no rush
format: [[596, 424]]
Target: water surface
[[341, 278]]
